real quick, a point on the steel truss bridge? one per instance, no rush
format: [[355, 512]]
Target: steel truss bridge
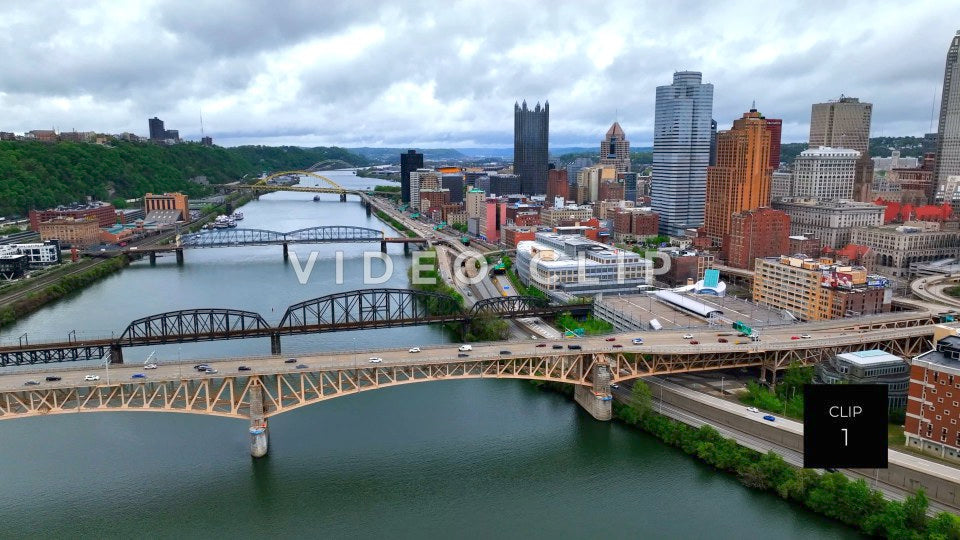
[[331, 234], [352, 310], [270, 391]]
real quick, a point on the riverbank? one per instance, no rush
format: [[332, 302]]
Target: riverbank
[[831, 494], [75, 280]]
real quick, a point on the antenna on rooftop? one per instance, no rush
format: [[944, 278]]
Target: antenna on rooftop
[[202, 134]]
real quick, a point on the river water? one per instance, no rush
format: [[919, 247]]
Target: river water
[[458, 458]]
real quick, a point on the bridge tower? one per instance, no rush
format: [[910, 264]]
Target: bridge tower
[[259, 432], [343, 197], [596, 399]]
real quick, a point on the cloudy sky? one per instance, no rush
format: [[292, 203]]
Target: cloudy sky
[[446, 74]]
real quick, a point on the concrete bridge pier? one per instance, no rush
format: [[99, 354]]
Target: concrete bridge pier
[[259, 432], [286, 251], [274, 344], [153, 258], [595, 399], [383, 246], [406, 248], [366, 204], [179, 256], [116, 353], [343, 197]]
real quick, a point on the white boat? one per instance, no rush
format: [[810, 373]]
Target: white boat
[[237, 216]]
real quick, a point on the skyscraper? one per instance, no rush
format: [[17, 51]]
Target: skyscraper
[[157, 132], [713, 142], [775, 125], [409, 162], [531, 132], [740, 180], [681, 151], [845, 123], [948, 138], [615, 149]]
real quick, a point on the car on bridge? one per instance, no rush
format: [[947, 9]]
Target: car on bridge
[[688, 336], [462, 355], [414, 349], [464, 348], [290, 361], [243, 368], [201, 367], [150, 366], [301, 366], [574, 347], [611, 339], [694, 342], [90, 378], [52, 378], [721, 340], [505, 352], [805, 336], [138, 376], [375, 360], [31, 383], [638, 341], [769, 418], [753, 409], [557, 346]]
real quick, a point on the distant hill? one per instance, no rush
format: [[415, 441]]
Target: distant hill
[[392, 155], [41, 175]]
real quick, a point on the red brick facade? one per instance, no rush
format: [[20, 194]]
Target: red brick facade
[[763, 232]]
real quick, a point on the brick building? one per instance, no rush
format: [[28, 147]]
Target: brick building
[[167, 201], [763, 232], [80, 233], [807, 245], [513, 234], [933, 402], [557, 186], [104, 213], [610, 190], [634, 224]]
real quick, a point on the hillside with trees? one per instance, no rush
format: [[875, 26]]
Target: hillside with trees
[[41, 175]]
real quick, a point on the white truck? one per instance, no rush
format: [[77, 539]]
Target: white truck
[[655, 325]]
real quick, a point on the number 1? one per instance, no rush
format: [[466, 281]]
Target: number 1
[[844, 430]]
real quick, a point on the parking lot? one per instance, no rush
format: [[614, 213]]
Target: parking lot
[[642, 308]]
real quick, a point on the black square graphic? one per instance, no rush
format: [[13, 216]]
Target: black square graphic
[[845, 426]]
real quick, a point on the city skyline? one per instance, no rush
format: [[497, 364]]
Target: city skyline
[[290, 77]]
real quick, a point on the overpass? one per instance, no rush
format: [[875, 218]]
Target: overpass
[[351, 310], [269, 386]]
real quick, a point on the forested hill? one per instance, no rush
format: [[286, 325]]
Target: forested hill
[[40, 175]]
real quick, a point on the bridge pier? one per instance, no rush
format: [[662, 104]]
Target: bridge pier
[[259, 432], [599, 407], [153, 258], [343, 197], [366, 204], [383, 246], [286, 251], [406, 248], [275, 344], [116, 353], [179, 257]]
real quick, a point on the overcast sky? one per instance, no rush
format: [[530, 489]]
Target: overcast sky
[[431, 75]]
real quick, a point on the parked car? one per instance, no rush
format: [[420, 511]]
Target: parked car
[[753, 409], [92, 378], [138, 376], [464, 348], [243, 368], [290, 361], [769, 418], [688, 336], [52, 378], [375, 360], [414, 349], [31, 383]]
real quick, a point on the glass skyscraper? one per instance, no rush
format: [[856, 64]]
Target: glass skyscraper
[[948, 139], [681, 151], [531, 131]]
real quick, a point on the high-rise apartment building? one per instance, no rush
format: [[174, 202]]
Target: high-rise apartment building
[[615, 149], [948, 137], [531, 133], [409, 162], [157, 131], [845, 123], [825, 173], [740, 180], [681, 151], [421, 179]]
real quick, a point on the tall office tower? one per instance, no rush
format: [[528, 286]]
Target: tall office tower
[[531, 132], [615, 149], [740, 181], [713, 142], [948, 132], [157, 132], [681, 151], [845, 123], [409, 162], [558, 187], [775, 125]]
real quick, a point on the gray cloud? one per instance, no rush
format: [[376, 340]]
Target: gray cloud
[[379, 73]]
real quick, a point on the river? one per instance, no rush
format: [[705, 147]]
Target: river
[[459, 458]]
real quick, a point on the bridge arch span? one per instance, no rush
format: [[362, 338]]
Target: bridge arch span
[[508, 304], [370, 308], [186, 325], [330, 183], [334, 233]]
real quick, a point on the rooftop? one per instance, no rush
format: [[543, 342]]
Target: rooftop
[[869, 358]]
